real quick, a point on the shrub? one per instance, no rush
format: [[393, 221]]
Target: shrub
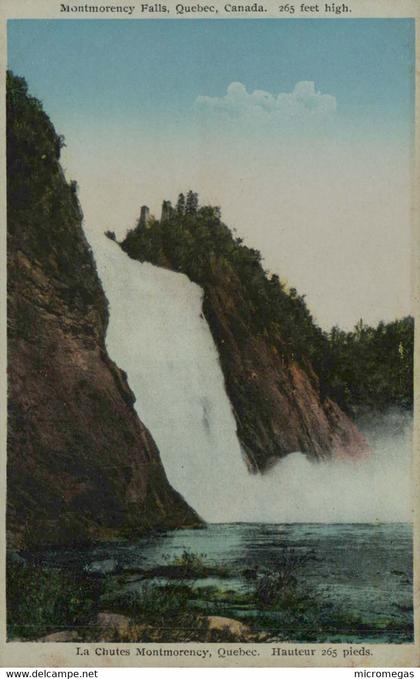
[[281, 584], [42, 600], [164, 612], [192, 565], [189, 561], [152, 602]]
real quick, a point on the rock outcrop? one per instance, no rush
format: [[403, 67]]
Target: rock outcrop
[[276, 399], [81, 465], [265, 337]]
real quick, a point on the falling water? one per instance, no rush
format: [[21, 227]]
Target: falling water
[[158, 335]]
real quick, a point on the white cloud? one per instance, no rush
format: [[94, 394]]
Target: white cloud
[[302, 104]]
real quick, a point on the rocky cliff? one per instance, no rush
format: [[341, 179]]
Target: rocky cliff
[[271, 352], [81, 465]]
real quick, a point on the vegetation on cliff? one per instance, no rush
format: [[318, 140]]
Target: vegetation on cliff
[[81, 466], [369, 367], [193, 239], [261, 326], [38, 195]]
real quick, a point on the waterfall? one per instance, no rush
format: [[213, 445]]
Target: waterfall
[[158, 335]]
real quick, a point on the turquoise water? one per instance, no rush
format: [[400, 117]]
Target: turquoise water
[[362, 570]]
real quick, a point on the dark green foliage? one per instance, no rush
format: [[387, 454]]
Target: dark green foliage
[[295, 609], [164, 611], [44, 215], [180, 205], [191, 205], [279, 584], [44, 600], [195, 240], [152, 603], [28, 171], [41, 600], [372, 368], [369, 368], [191, 565], [187, 566]]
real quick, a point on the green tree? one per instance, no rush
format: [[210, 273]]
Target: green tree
[[191, 205], [180, 205]]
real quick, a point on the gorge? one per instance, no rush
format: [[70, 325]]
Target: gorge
[[155, 312], [226, 370]]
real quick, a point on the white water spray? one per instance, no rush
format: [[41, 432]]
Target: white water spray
[[158, 335]]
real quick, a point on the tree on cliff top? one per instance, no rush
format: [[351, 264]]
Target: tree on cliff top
[[191, 205], [180, 205], [372, 366]]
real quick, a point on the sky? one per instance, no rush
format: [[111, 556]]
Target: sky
[[301, 130]]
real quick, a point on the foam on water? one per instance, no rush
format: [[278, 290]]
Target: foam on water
[[158, 335]]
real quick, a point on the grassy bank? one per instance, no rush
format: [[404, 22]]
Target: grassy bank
[[271, 605]]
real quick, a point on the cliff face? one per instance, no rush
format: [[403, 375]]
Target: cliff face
[[276, 400], [265, 338], [80, 463]]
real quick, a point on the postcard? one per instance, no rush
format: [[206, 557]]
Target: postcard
[[212, 243]]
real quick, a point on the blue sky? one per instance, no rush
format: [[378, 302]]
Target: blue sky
[[302, 133], [127, 68]]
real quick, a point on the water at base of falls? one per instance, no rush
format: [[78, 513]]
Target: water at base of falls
[[158, 335], [360, 578]]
